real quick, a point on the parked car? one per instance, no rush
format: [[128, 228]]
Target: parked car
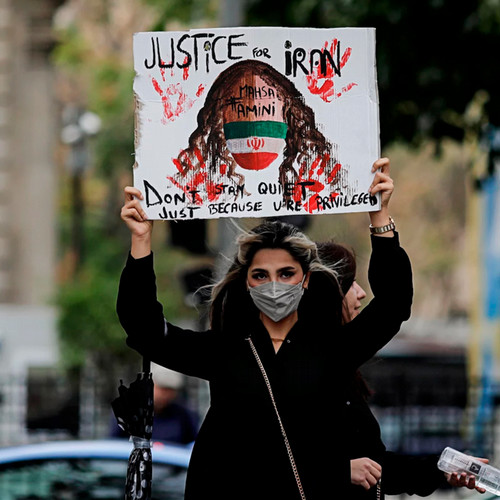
[[450, 494], [86, 470], [482, 496]]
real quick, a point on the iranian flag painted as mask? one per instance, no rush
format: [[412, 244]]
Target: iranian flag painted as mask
[[254, 145]]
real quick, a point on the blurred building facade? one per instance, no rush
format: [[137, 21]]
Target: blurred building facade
[[28, 121], [28, 188]]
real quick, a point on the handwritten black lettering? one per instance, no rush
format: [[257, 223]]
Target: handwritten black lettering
[[269, 188], [303, 186], [231, 44], [182, 213], [193, 193], [230, 189], [153, 197], [256, 94], [258, 52], [323, 58], [234, 207], [150, 191], [339, 200], [186, 51], [257, 110], [288, 205]]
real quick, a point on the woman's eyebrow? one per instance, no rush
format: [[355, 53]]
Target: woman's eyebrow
[[281, 269], [258, 269]]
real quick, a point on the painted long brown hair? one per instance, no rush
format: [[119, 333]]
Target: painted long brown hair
[[305, 144]]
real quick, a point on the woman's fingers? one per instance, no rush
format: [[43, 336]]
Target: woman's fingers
[[463, 480], [365, 472], [133, 212], [382, 164], [131, 193], [132, 209], [370, 480], [381, 183]]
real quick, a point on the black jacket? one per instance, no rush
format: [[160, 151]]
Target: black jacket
[[239, 452], [400, 473]]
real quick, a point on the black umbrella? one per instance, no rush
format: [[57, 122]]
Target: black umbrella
[[133, 409]]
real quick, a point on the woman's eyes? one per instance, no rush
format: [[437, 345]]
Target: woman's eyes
[[284, 275], [259, 276]]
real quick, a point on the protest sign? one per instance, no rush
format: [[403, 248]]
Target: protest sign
[[255, 122]]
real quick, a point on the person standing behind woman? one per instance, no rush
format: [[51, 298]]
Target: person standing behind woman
[[277, 309], [375, 471]]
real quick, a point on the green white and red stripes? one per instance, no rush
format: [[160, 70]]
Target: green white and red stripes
[[254, 145]]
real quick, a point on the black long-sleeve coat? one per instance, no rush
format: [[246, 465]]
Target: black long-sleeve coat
[[401, 473], [239, 452]]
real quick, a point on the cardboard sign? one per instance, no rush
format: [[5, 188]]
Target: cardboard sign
[[255, 122]]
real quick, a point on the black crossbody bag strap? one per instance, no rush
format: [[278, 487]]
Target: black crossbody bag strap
[[285, 438]]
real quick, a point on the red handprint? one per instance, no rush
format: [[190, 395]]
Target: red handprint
[[323, 84], [194, 178], [312, 180], [191, 179], [173, 97]]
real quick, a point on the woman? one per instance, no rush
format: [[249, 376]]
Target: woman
[[384, 472], [278, 298]]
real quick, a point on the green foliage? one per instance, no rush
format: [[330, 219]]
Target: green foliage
[[88, 321], [489, 16], [114, 146], [185, 11], [432, 57], [106, 84], [71, 51], [111, 95]]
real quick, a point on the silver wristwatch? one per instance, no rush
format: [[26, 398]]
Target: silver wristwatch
[[383, 229]]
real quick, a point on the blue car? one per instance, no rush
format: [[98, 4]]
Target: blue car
[[86, 470]]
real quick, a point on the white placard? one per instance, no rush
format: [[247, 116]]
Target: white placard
[[255, 122]]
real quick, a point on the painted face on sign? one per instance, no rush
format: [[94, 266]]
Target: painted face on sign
[[253, 116], [254, 125]]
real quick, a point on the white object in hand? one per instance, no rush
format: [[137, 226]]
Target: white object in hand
[[487, 477]]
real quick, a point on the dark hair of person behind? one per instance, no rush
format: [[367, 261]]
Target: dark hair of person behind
[[343, 260]]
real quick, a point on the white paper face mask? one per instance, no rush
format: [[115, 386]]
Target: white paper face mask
[[277, 300]]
